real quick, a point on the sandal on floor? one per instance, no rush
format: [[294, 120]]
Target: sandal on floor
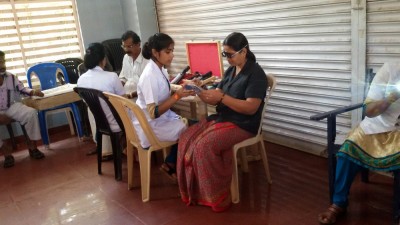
[[36, 154], [331, 215], [8, 161], [169, 171]]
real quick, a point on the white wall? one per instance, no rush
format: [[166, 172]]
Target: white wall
[[140, 16], [100, 20], [130, 15], [107, 19], [147, 18]]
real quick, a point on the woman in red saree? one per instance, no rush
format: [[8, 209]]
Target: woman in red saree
[[204, 166]]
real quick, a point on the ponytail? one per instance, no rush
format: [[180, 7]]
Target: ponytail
[[94, 55], [158, 42]]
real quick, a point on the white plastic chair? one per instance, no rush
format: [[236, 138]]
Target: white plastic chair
[[122, 105], [258, 139]]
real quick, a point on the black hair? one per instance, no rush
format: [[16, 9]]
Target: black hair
[[2, 53], [130, 34], [237, 41], [158, 42], [94, 55]]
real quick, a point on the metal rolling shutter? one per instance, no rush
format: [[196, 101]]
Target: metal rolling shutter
[[383, 32], [306, 44]]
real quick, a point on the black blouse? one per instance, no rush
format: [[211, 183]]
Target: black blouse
[[251, 82]]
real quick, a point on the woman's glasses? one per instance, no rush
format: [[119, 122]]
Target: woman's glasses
[[231, 55]]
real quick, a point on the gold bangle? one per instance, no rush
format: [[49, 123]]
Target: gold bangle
[[222, 97], [176, 96]]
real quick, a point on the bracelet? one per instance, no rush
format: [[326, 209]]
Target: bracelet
[[176, 96], [222, 97]]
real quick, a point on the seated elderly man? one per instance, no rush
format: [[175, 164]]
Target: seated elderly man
[[374, 144], [11, 109]]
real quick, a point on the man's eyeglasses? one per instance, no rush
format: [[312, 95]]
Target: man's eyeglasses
[[128, 46], [231, 55]]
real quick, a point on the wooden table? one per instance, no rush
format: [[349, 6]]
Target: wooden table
[[44, 103], [53, 101], [197, 108], [191, 107]]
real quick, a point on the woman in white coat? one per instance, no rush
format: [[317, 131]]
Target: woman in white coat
[[154, 97], [96, 78]]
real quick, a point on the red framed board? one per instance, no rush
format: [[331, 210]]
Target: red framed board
[[205, 56]]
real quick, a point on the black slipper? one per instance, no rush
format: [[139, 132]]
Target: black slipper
[[106, 158], [36, 154], [8, 161], [169, 171]]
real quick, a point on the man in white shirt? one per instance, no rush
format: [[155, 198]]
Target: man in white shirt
[[133, 63]]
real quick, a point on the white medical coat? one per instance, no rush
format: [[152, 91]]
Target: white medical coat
[[153, 87]]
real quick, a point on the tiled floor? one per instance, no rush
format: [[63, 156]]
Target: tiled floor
[[65, 188]]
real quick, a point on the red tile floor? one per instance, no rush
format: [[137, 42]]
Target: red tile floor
[[64, 188]]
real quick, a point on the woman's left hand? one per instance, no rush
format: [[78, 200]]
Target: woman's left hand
[[211, 97], [182, 92]]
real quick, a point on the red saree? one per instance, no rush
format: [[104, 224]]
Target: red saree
[[204, 166]]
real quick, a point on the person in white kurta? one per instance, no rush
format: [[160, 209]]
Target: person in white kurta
[[131, 71], [99, 79], [133, 63]]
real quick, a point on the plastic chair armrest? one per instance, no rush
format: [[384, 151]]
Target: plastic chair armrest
[[335, 112]]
